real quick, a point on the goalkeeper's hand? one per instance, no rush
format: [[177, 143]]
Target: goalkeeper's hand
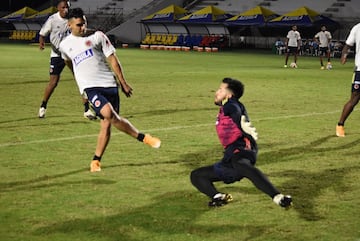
[[248, 128]]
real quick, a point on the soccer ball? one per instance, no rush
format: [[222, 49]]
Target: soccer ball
[[329, 66], [293, 65]]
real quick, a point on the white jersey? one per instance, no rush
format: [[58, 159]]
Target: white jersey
[[293, 38], [324, 38], [88, 56], [354, 38], [58, 29]]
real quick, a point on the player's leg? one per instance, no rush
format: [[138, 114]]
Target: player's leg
[[202, 179], [248, 170], [88, 112], [286, 57], [54, 79], [328, 55], [102, 142], [349, 105], [57, 65], [106, 104], [296, 52], [321, 53], [347, 109]]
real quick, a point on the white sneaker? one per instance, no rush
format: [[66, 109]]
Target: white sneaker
[[89, 114], [42, 112]]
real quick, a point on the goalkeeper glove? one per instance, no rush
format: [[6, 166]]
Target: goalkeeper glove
[[248, 128]]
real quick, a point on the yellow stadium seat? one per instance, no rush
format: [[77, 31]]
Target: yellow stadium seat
[[12, 34], [17, 35], [173, 39], [153, 39], [158, 39], [163, 39], [147, 39]]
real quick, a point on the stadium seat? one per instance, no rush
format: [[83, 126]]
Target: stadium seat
[[163, 38], [152, 39], [172, 38], [12, 34], [147, 39], [157, 39], [180, 40]]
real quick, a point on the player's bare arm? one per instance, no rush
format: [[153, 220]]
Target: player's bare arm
[[41, 42], [344, 53], [116, 67], [69, 64]]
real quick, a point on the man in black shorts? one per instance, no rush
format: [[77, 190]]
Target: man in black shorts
[[56, 27], [292, 44], [323, 38]]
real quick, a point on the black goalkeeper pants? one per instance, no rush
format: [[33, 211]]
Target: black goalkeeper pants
[[203, 178]]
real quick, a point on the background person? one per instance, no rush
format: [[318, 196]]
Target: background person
[[89, 57], [323, 38], [56, 27], [292, 44]]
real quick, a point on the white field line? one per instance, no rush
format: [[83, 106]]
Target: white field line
[[158, 129]]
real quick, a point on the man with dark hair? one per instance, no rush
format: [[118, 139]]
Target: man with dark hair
[[238, 138], [292, 44], [56, 26], [89, 57], [323, 38]]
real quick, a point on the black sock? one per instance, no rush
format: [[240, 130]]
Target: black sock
[[44, 104], [97, 158], [140, 137], [86, 106]]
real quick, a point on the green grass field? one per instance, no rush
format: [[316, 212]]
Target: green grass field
[[48, 193]]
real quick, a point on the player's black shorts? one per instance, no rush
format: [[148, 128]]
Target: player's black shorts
[[100, 96], [355, 86], [323, 50], [292, 50], [57, 65]]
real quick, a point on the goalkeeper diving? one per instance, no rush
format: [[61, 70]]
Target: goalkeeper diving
[[238, 137]]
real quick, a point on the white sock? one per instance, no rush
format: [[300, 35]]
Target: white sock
[[278, 198]]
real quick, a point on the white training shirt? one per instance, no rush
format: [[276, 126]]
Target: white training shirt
[[324, 38], [88, 56], [354, 38], [58, 29], [293, 37]]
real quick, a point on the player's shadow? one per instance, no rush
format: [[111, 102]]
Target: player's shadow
[[307, 186], [170, 214], [47, 181]]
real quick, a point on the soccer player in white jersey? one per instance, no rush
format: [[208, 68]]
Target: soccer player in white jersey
[[94, 63], [323, 38], [56, 27], [292, 44], [352, 39]]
